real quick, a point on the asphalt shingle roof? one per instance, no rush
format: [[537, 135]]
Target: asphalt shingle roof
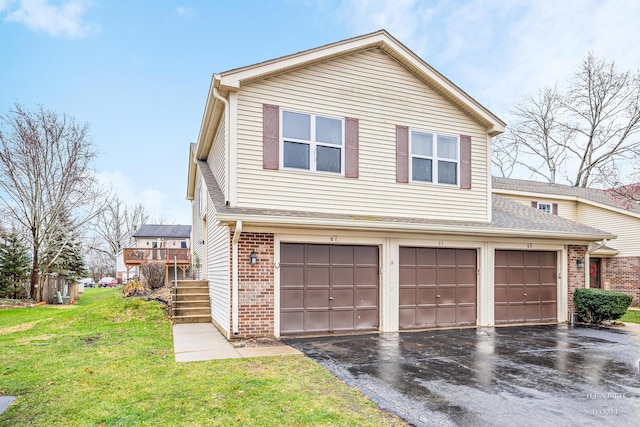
[[593, 194], [175, 231], [507, 215]]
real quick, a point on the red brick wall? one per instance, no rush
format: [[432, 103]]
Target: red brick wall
[[622, 274], [576, 275], [255, 285]]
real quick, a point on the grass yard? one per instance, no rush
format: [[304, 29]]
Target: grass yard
[[108, 361], [631, 316]]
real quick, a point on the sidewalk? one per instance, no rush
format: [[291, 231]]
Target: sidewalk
[[194, 342]]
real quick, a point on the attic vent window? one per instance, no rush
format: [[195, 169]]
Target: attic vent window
[[311, 142]]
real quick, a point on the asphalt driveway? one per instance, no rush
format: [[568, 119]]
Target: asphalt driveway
[[525, 376]]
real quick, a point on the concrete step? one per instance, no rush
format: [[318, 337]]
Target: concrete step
[[192, 303], [192, 290], [195, 311], [191, 297], [192, 319]]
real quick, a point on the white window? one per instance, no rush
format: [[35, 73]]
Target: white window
[[434, 158], [544, 207], [312, 142]]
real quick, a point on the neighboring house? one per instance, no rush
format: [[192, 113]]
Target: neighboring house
[[348, 188], [166, 244], [614, 265]]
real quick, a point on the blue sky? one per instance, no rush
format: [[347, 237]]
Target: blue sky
[[139, 71]]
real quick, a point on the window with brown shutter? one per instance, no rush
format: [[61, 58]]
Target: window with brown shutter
[[351, 155], [465, 162], [402, 154]]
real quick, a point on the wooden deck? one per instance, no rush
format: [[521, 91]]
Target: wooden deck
[[137, 256]]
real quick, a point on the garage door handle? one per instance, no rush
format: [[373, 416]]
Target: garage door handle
[[330, 298], [437, 296], [525, 295]]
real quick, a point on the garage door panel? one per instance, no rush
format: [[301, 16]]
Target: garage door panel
[[426, 295], [291, 276], [317, 276], [444, 283], [316, 321], [366, 319], [466, 295], [342, 276], [408, 276], [367, 255], [318, 254], [292, 253], [365, 276], [292, 321], [322, 288], [407, 296], [317, 298], [342, 298], [292, 298], [342, 255], [427, 276], [366, 297], [526, 288]]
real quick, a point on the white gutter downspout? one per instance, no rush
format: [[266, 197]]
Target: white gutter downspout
[[234, 278], [588, 257], [227, 135]]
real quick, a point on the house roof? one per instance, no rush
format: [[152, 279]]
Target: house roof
[[593, 195], [510, 218], [164, 231]]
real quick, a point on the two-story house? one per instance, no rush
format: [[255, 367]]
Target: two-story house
[[168, 245], [611, 265], [348, 188]]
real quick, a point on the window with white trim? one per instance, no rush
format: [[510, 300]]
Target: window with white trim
[[544, 207], [434, 158], [311, 142]]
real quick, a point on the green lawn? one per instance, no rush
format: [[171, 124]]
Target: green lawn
[[109, 361], [631, 316]]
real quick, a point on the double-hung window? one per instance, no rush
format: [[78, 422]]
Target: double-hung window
[[311, 142], [434, 158], [544, 207]]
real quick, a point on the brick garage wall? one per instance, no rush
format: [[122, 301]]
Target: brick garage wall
[[576, 275], [623, 274], [255, 285]]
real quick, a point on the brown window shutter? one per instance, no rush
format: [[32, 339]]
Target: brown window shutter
[[351, 154], [534, 205], [270, 136], [402, 153], [554, 208], [465, 162]]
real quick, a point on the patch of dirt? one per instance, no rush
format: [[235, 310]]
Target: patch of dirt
[[256, 342], [18, 328], [16, 303]]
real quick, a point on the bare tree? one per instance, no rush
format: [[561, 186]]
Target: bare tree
[[589, 133], [45, 172], [116, 223]]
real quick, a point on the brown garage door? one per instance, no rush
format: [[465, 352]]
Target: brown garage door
[[326, 288], [525, 286], [437, 287]]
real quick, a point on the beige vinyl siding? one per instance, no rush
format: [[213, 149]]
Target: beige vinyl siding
[[216, 158], [196, 228], [566, 208], [218, 270], [375, 89], [626, 227]]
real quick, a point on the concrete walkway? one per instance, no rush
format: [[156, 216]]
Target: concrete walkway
[[193, 342]]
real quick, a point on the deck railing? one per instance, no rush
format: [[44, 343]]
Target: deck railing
[[166, 255]]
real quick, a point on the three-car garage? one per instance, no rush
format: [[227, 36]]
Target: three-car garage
[[336, 288]]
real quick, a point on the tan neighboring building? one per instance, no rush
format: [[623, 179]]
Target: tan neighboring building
[[348, 188], [614, 265]]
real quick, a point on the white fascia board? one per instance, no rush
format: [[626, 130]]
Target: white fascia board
[[365, 225]]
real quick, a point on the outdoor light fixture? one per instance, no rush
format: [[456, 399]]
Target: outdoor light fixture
[[580, 263], [253, 258]]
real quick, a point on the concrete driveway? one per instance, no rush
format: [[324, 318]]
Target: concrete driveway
[[525, 376]]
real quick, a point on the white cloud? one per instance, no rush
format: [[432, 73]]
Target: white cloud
[[185, 12], [498, 51], [64, 20], [154, 201]]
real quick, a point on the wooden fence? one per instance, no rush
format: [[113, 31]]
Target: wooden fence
[[50, 285]]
